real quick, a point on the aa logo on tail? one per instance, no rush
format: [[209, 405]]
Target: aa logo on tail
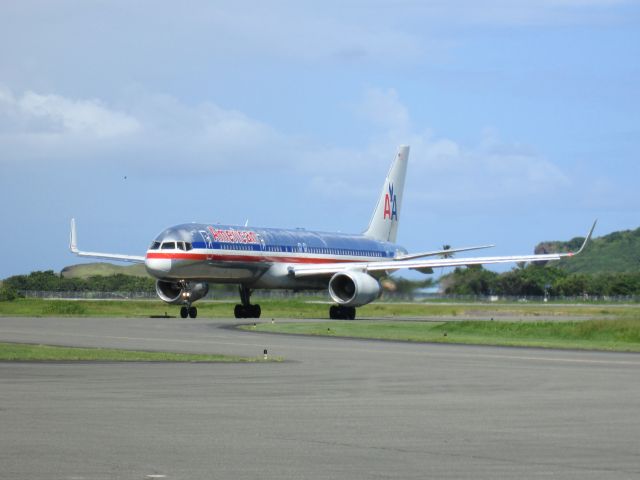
[[390, 209]]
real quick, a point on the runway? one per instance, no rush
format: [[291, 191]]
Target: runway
[[335, 409]]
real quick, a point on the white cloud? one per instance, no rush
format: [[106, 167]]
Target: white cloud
[[384, 109], [299, 32], [160, 131], [207, 34], [442, 170], [154, 130], [37, 114]]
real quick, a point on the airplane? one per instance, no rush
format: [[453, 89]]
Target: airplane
[[185, 259]]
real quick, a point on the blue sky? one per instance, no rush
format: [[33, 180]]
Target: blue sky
[[522, 116]]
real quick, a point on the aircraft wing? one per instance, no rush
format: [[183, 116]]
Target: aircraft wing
[[73, 246], [447, 251], [393, 265]]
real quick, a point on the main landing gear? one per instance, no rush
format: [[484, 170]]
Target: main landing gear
[[188, 311], [339, 312], [246, 310]]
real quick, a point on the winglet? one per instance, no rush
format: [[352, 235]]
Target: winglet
[[73, 238], [73, 246], [587, 238]]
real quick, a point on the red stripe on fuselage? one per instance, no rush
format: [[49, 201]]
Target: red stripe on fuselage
[[247, 258]]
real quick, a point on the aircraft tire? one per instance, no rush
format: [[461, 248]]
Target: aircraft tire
[[247, 311], [338, 312], [193, 312], [184, 312]]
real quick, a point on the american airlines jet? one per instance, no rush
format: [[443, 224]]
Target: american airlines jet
[[185, 259]]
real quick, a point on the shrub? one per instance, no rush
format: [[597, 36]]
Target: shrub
[[8, 294]]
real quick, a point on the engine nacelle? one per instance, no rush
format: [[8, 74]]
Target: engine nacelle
[[179, 293], [354, 289]]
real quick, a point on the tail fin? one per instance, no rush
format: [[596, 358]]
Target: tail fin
[[384, 222]]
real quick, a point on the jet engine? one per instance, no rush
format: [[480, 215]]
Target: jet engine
[[354, 289], [181, 292]]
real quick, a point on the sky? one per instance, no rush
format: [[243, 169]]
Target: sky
[[523, 119]]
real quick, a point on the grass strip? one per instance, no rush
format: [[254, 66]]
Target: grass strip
[[18, 352], [297, 308], [34, 307], [612, 335]]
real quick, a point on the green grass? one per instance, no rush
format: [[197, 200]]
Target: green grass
[[599, 326], [15, 352], [33, 307], [469, 309], [299, 308], [613, 334]]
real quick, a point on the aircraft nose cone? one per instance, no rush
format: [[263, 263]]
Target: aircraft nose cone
[[157, 267]]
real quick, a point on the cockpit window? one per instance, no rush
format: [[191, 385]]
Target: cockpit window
[[154, 246], [168, 245], [180, 245], [188, 246]]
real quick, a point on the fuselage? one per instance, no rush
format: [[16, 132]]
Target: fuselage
[[255, 257]]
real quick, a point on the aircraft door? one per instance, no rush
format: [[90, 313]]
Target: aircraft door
[[208, 242]]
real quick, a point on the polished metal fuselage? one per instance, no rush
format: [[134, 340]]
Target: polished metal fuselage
[[256, 257]]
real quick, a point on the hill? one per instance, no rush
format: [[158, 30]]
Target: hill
[[612, 253], [86, 270]]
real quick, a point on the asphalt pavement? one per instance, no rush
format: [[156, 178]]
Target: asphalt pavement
[[334, 409]]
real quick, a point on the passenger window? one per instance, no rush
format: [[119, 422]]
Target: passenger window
[[168, 245]]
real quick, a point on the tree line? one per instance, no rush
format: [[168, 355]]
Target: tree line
[[50, 281], [532, 280], [538, 280]]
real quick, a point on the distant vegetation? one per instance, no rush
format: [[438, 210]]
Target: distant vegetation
[[609, 266], [53, 282], [94, 277], [538, 280], [612, 253]]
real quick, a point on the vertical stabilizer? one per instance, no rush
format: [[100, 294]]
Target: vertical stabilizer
[[73, 237], [384, 222]]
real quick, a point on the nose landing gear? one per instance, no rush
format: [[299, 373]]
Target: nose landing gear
[[246, 310]]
